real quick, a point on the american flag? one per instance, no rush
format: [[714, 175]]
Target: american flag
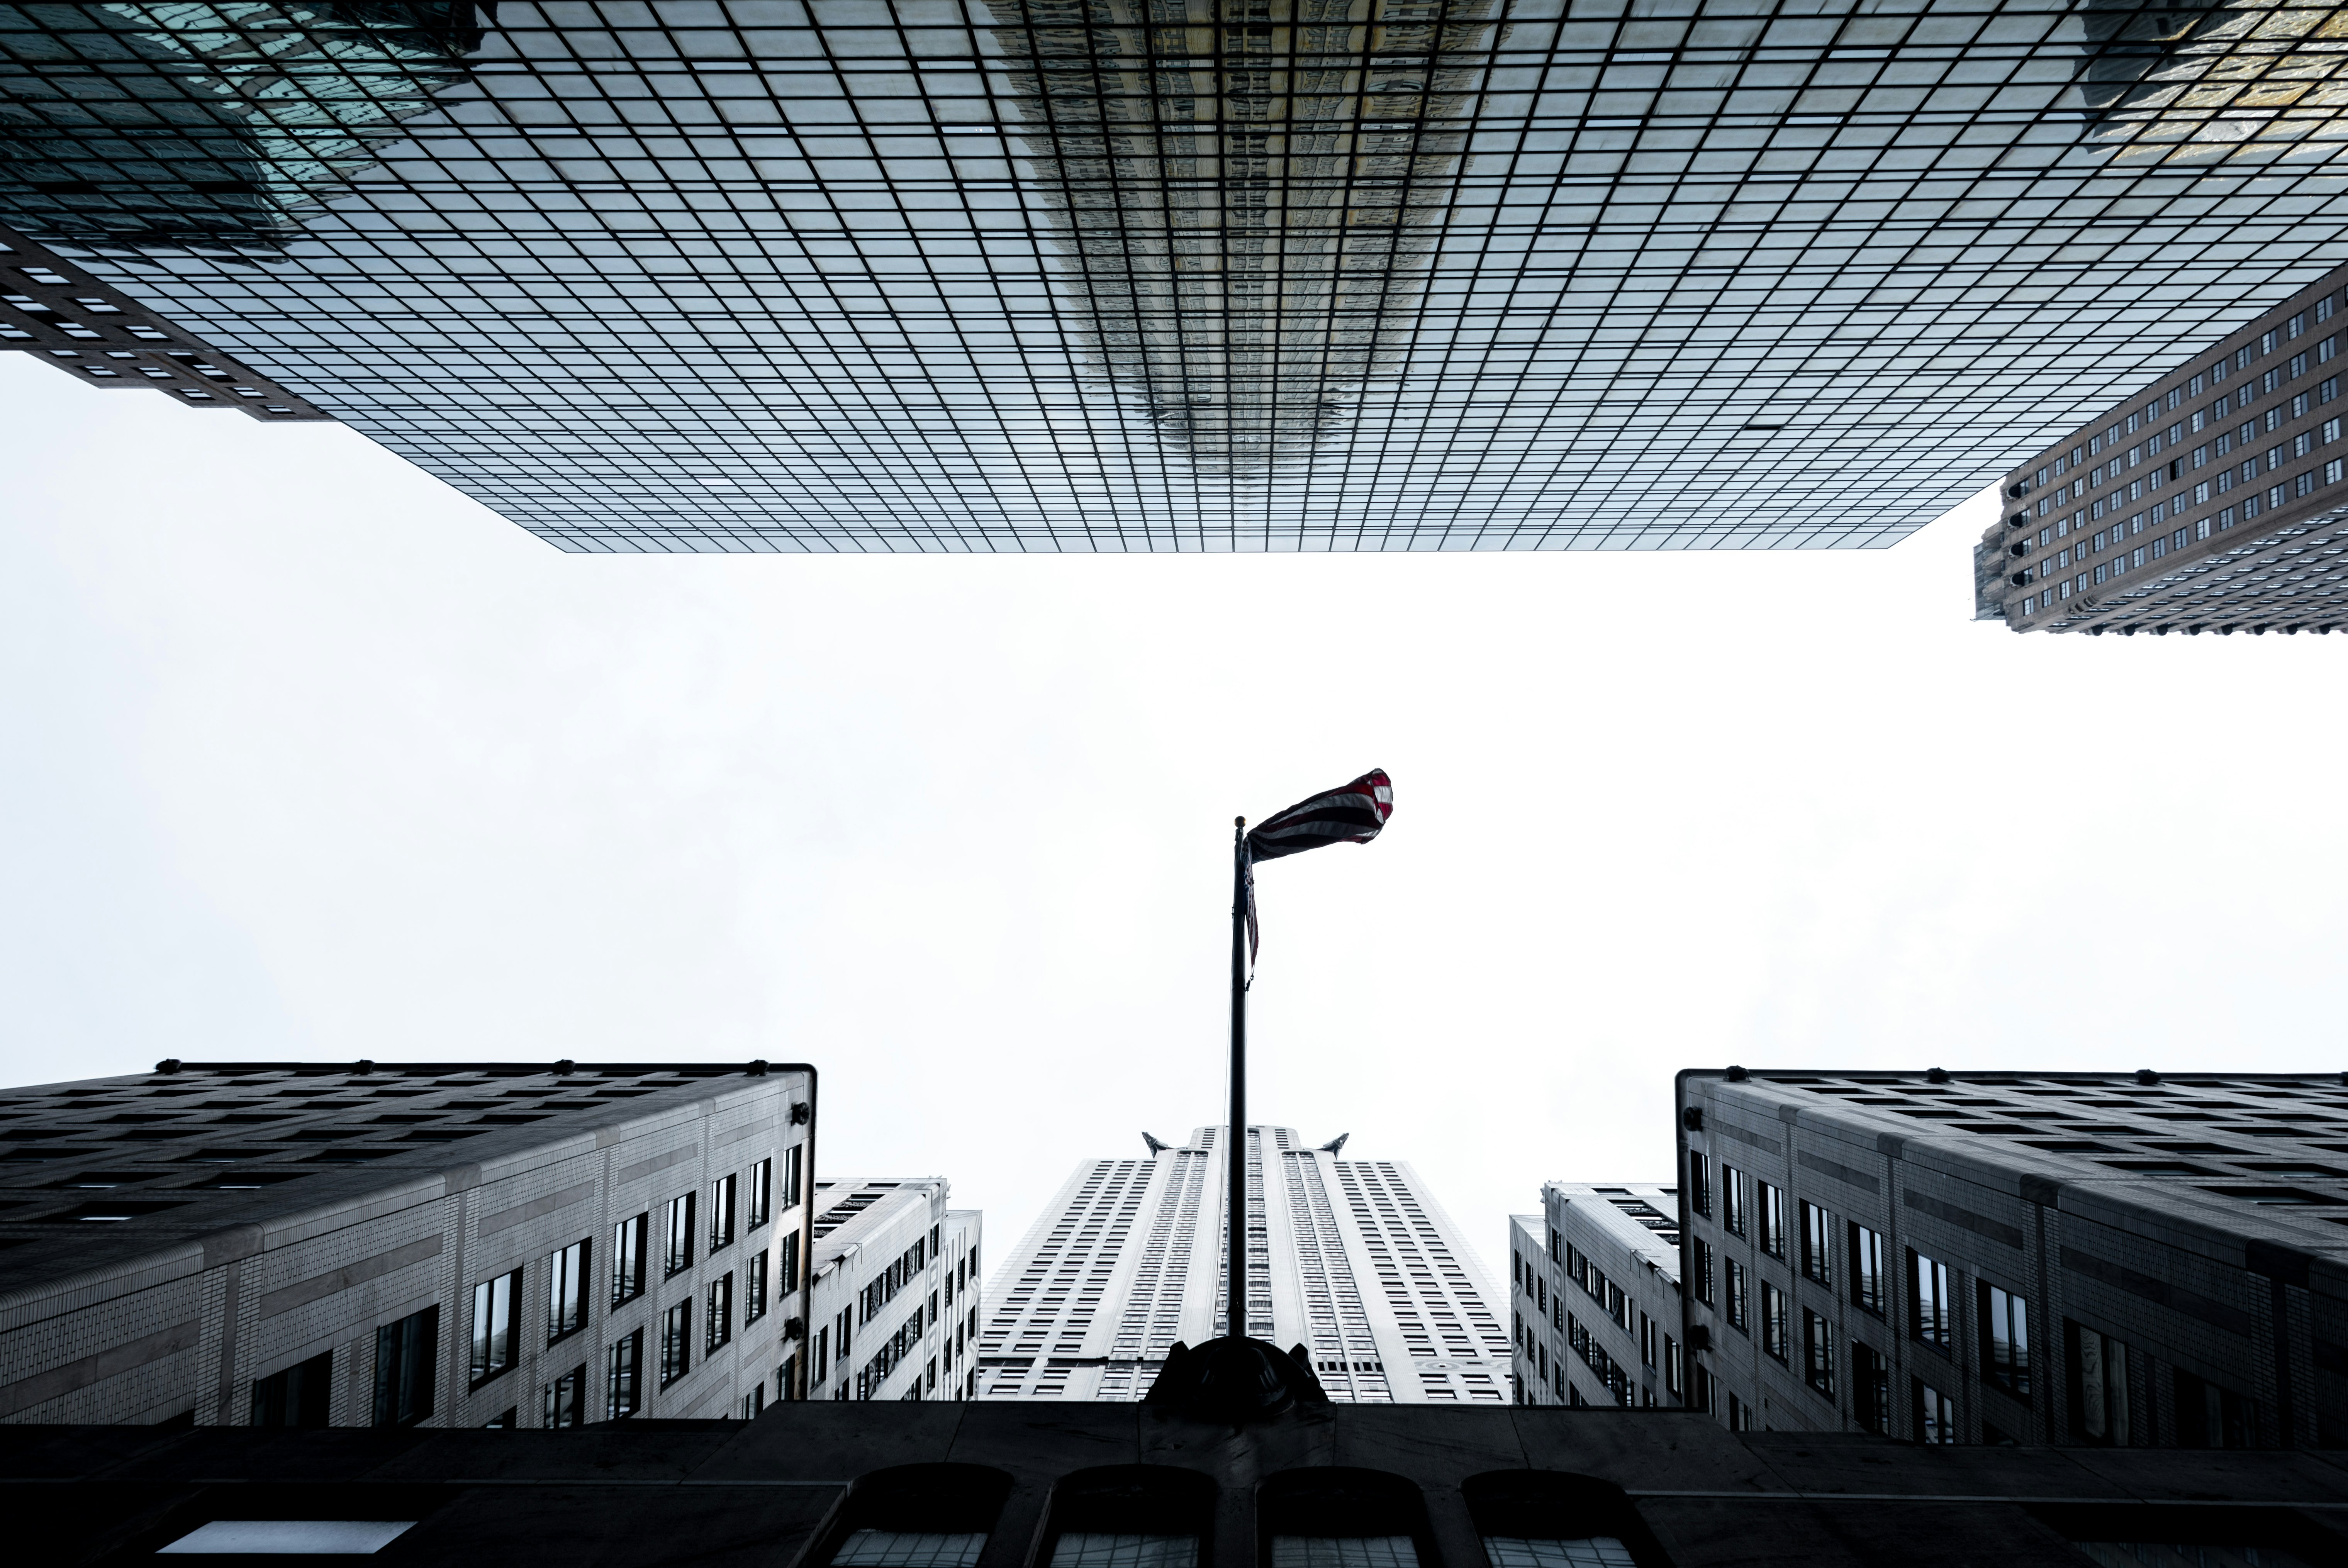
[[1350, 813]]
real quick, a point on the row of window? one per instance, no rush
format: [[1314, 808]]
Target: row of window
[[2050, 594], [2269, 381], [2300, 445], [1656, 1348]]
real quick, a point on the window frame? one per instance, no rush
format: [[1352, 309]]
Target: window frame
[[624, 1375], [677, 1235], [2004, 1361], [563, 1268], [677, 1342], [630, 1240], [494, 1351], [1869, 1290], [1769, 1210], [723, 1192], [717, 1314], [762, 1194], [1777, 1332], [1932, 1315], [1817, 1244]]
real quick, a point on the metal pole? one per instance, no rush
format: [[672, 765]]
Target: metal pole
[[1236, 1207]]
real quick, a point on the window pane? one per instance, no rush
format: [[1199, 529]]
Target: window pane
[[898, 1549]]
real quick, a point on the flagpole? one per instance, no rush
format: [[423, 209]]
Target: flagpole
[[1237, 1209]]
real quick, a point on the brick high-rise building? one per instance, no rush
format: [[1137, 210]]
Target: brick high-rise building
[[292, 1243], [2124, 1259], [2214, 499]]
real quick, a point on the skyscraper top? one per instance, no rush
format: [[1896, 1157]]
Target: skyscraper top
[[981, 275], [1353, 1259]]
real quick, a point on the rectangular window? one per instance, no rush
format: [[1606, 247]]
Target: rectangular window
[[676, 1343], [1867, 1269], [1738, 1316], [628, 1258], [762, 1182], [1732, 1199], [789, 1275], [564, 1401], [1647, 1339], [405, 1354], [678, 1257], [1773, 1320], [754, 1289], [2332, 472], [1936, 1415], [721, 1213], [1700, 1184], [566, 1291], [493, 1346], [1871, 1389], [1817, 1244], [790, 1198], [1818, 1353], [1929, 1319], [2006, 1338], [624, 1377], [1704, 1272], [298, 1396], [718, 1321], [2103, 1407], [1773, 1219], [787, 1385], [1670, 1366]]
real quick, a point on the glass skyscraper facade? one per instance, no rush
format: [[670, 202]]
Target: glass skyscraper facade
[[732, 275]]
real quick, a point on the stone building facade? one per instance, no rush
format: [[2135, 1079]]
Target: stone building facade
[[2106, 1259], [1595, 1292], [463, 1245]]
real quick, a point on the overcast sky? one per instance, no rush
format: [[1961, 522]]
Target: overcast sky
[[307, 757]]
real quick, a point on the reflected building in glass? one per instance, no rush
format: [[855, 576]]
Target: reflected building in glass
[[834, 275]]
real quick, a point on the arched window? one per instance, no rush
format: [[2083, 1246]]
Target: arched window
[[917, 1516], [1130, 1516], [1333, 1517]]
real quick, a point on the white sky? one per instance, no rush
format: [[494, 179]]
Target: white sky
[[306, 756]]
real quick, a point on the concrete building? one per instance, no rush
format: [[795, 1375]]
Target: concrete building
[[300, 1245], [1352, 1258], [2211, 500], [2115, 1260], [1092, 1486], [1053, 275], [894, 1294], [1595, 1297]]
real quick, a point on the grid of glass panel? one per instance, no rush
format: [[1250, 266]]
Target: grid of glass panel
[[1094, 1549], [1191, 274], [1344, 1552], [908, 1549], [1590, 1552]]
